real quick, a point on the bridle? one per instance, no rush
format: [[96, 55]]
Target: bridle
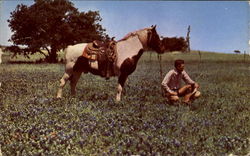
[[150, 37]]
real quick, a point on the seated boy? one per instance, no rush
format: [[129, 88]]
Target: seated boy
[[172, 85]]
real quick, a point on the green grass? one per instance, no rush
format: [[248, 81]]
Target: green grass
[[33, 122]]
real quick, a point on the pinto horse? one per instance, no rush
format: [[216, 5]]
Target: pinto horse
[[128, 51]]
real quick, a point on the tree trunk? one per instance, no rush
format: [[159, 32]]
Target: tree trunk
[[52, 58]]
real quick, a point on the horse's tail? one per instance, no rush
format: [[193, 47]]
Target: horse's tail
[[81, 65]]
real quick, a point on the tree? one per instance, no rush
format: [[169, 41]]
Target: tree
[[51, 25], [174, 44], [237, 51], [188, 39]]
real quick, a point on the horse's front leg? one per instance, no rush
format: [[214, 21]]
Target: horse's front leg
[[121, 81], [73, 81]]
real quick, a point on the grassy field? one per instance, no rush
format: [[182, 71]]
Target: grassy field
[[34, 122]]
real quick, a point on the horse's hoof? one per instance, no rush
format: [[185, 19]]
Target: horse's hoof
[[117, 100]]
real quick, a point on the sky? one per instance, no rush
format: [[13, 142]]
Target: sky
[[216, 26]]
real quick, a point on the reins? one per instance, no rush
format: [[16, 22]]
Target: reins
[[159, 56]]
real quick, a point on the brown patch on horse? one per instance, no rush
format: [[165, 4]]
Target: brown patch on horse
[[129, 65], [81, 65]]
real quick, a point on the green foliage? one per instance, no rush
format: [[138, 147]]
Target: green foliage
[[174, 44], [33, 122], [51, 25]]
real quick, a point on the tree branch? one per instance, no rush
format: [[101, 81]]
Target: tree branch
[[40, 51]]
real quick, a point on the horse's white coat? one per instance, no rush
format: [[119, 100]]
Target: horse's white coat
[[72, 52], [127, 49]]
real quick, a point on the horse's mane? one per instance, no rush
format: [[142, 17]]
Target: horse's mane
[[131, 34]]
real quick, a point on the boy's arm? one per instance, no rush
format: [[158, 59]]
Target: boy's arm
[[186, 78], [165, 82]]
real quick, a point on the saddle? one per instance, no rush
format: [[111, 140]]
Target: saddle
[[102, 55]]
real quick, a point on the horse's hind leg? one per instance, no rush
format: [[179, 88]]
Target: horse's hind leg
[[73, 81], [63, 81]]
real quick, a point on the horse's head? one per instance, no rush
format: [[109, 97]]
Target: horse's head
[[153, 40]]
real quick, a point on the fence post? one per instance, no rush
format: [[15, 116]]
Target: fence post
[[244, 56], [200, 55]]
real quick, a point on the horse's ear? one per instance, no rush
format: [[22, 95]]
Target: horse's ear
[[153, 26]]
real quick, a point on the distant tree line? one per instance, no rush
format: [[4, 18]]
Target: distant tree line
[[175, 44]]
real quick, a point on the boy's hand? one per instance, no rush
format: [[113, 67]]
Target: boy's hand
[[196, 85]]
